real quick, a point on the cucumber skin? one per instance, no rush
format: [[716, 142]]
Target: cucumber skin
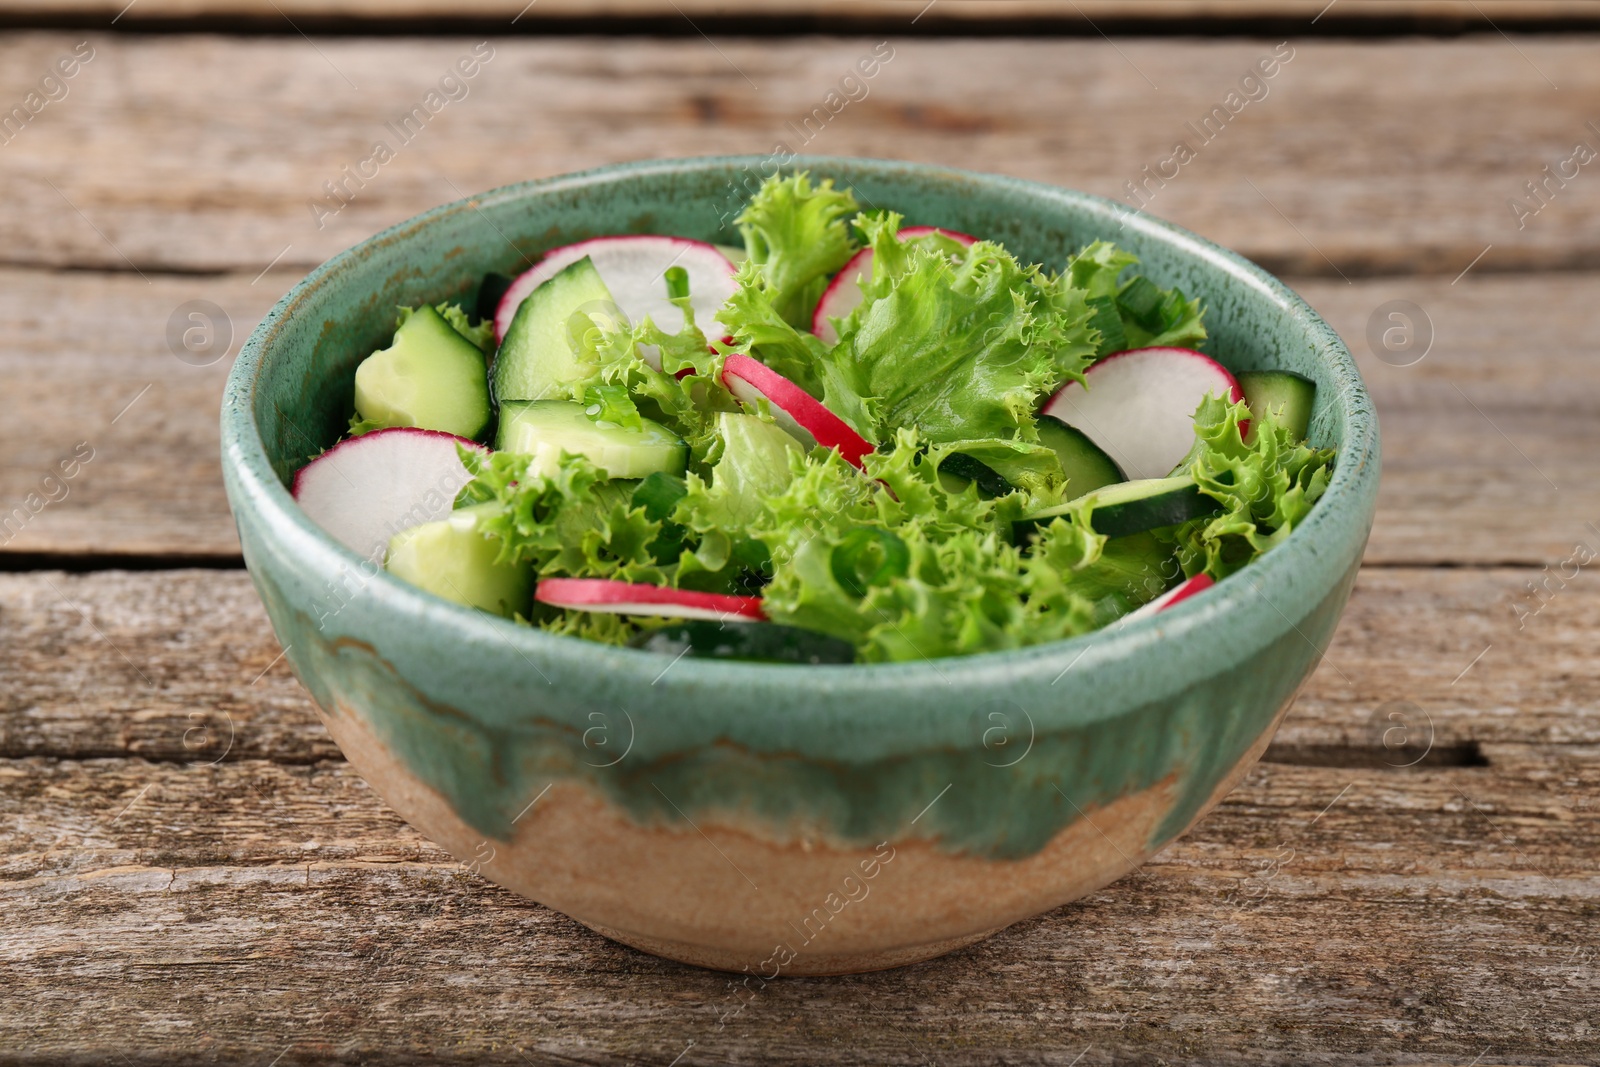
[[1287, 395], [1085, 463], [1138, 516], [536, 358], [959, 465], [430, 377], [766, 642], [1178, 503]]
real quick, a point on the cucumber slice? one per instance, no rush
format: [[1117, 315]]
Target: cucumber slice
[[1133, 507], [538, 354], [765, 641], [1085, 463], [429, 377], [958, 470], [455, 560], [546, 428], [1287, 395]]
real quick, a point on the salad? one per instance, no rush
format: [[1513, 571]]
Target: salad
[[850, 440]]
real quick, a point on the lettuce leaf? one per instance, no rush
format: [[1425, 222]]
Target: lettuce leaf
[[481, 335], [758, 327], [574, 522], [1267, 485], [753, 460], [961, 349], [685, 394], [798, 236], [1135, 313], [892, 561]]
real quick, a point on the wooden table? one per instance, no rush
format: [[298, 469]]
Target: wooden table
[[192, 874]]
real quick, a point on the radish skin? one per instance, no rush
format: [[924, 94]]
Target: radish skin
[[633, 598], [632, 268], [795, 409], [1172, 597]]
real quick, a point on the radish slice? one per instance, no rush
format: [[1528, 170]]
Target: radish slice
[[632, 268], [631, 598], [843, 294], [1181, 592], [1139, 405], [365, 490], [792, 407]]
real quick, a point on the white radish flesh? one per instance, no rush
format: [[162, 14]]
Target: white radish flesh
[[365, 490], [634, 269], [1139, 405]]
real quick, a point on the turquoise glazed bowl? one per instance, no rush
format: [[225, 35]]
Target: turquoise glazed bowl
[[782, 819]]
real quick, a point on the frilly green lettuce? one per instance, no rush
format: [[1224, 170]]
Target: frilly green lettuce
[[798, 235], [891, 560], [573, 523], [1267, 484], [621, 385], [481, 335], [1135, 313], [959, 349]]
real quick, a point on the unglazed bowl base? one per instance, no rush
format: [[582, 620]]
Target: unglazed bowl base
[[665, 890]]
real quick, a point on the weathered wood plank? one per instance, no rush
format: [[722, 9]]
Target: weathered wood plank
[[182, 666], [950, 12], [77, 349], [197, 152], [251, 910]]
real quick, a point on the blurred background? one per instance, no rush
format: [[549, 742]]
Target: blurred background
[[187, 873]]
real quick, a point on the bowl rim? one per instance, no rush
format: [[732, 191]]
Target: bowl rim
[[1354, 475]]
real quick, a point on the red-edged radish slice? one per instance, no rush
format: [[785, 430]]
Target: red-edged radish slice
[[365, 490], [1178, 593], [631, 598], [1139, 405], [843, 294], [632, 268], [792, 407]]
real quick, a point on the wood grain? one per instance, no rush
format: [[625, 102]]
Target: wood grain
[[250, 910], [957, 13], [1489, 441], [1428, 666], [1399, 155], [189, 872]]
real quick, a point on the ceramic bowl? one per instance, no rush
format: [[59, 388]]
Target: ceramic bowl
[[770, 818]]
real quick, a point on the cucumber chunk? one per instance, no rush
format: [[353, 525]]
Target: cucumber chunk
[[454, 559], [546, 428], [538, 355], [1133, 507], [765, 641], [1085, 463], [1287, 395], [429, 377]]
